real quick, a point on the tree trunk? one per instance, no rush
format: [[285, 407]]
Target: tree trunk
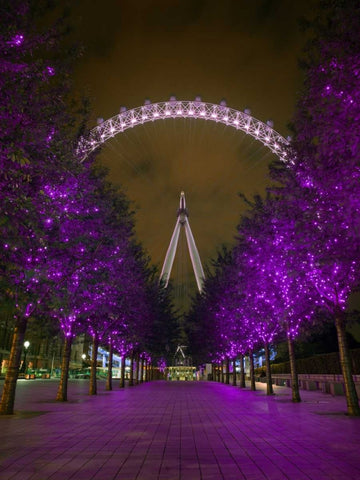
[[109, 372], [294, 377], [94, 353], [242, 372], [61, 395], [146, 371], [141, 370], [227, 371], [234, 372], [9, 389], [137, 369], [131, 377], [352, 400], [222, 372], [122, 372], [269, 385], [252, 371]]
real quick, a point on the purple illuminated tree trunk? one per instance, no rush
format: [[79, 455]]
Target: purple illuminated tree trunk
[[131, 375], [213, 372], [93, 370], [63, 384], [346, 367], [219, 372], [234, 372], [252, 371], [148, 371], [141, 369], [137, 369], [227, 371], [294, 377], [145, 370], [8, 394], [269, 385], [109, 371], [242, 372], [122, 373]]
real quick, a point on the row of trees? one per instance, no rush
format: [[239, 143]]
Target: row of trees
[[68, 252], [297, 257]]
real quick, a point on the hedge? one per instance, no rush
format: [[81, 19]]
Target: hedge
[[327, 363]]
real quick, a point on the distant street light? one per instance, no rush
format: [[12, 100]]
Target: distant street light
[[84, 362], [26, 347]]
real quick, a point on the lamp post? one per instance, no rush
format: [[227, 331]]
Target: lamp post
[[26, 346]]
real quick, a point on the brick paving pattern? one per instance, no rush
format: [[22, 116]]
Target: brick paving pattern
[[177, 431]]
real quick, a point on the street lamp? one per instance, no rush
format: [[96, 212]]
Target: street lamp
[[26, 346], [84, 363]]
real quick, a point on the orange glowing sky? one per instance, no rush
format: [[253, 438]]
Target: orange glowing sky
[[245, 52]]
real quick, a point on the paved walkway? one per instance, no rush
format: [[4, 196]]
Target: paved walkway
[[177, 431]]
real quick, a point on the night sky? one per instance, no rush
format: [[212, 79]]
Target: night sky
[[246, 52]]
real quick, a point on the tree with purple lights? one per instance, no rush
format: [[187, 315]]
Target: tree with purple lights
[[302, 248], [280, 296], [257, 309], [36, 148], [326, 167], [263, 291], [202, 322], [89, 262], [122, 307], [219, 322], [73, 227], [115, 311]]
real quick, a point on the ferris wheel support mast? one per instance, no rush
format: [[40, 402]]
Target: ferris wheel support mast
[[183, 222]]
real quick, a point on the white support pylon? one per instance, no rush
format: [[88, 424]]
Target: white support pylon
[[182, 221]]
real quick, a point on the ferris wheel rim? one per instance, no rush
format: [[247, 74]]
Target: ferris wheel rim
[[196, 109]]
